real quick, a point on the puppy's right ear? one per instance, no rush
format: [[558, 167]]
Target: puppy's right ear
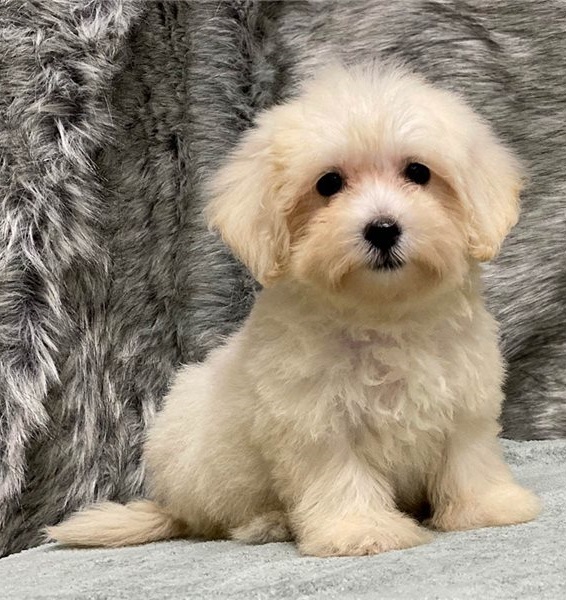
[[246, 206]]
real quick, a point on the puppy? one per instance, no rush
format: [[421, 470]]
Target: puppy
[[367, 379]]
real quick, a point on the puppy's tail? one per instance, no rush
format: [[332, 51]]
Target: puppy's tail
[[111, 525]]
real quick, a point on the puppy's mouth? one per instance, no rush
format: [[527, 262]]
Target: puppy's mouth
[[386, 261]]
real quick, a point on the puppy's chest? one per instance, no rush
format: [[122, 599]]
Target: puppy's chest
[[391, 385], [404, 383]]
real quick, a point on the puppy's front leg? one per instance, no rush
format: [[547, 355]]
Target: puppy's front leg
[[474, 487], [341, 508]]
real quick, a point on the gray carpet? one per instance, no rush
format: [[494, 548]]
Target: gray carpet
[[525, 561]]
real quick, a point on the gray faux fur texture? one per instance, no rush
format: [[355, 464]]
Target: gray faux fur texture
[[113, 112]]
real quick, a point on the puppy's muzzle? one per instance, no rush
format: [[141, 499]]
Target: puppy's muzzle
[[383, 238]]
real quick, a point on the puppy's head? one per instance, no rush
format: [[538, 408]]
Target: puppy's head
[[370, 184]]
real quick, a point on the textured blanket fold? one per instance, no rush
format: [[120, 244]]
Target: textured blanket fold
[[114, 112]]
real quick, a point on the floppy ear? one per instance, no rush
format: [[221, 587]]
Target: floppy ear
[[492, 183], [246, 205]]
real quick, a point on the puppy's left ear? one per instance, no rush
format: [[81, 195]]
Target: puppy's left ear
[[246, 205], [492, 183]]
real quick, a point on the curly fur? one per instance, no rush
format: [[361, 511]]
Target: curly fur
[[352, 394], [112, 112]]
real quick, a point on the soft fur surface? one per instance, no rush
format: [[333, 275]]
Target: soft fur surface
[[113, 112], [485, 563], [366, 381]]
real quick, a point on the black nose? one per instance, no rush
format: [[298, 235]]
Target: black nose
[[382, 235]]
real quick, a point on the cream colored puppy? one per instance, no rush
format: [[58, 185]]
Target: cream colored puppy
[[367, 379]]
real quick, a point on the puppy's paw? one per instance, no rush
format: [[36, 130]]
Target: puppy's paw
[[505, 505], [263, 529], [359, 537]]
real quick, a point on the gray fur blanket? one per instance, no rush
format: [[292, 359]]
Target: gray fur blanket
[[113, 112], [523, 562]]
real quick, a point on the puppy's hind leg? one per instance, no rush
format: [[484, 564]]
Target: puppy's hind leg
[[474, 487], [265, 528]]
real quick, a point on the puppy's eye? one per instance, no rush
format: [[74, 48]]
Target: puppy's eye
[[417, 173], [329, 184]]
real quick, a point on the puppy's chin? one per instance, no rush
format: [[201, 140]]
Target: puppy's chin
[[383, 285], [398, 285]]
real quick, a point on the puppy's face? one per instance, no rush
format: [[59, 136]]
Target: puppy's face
[[371, 185]]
